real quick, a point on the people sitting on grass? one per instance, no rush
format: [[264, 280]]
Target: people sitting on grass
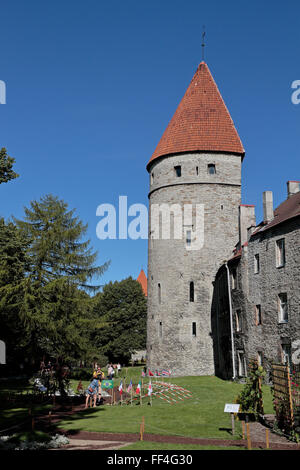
[[92, 393]]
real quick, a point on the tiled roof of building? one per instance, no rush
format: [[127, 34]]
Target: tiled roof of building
[[201, 122], [287, 210], [142, 279]]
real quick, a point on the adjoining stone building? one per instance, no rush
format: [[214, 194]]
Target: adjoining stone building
[[264, 296], [209, 311]]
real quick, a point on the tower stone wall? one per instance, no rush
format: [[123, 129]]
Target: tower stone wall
[[179, 333]]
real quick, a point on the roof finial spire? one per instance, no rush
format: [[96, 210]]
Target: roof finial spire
[[203, 43]]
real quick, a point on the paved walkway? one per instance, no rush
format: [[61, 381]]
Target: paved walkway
[[85, 444]]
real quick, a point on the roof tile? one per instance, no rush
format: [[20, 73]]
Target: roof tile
[[201, 122]]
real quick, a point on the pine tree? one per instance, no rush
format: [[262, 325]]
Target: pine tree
[[56, 309], [6, 164], [13, 265]]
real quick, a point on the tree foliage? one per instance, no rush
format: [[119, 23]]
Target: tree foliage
[[6, 167], [121, 310], [45, 271], [13, 265]]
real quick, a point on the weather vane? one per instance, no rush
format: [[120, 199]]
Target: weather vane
[[203, 43]]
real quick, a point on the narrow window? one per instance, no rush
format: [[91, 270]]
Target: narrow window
[[238, 321], [160, 329], [194, 331], [188, 237], [241, 364], [260, 358], [283, 308], [152, 178], [233, 278], [258, 317], [197, 171], [286, 353], [192, 295], [211, 168], [177, 171], [256, 264], [159, 293], [280, 253]]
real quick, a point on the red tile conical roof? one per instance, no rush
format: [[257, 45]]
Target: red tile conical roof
[[201, 122], [142, 279]]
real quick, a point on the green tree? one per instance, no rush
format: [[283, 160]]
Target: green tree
[[56, 311], [122, 311], [6, 164], [13, 265]]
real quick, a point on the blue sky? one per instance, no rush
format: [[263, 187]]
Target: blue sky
[[92, 85]]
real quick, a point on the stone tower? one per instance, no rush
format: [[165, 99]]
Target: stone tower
[[197, 162]]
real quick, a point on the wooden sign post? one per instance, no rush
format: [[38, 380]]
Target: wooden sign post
[[248, 436], [267, 439], [232, 408]]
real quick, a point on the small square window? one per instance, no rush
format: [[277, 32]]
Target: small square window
[[211, 168], [177, 171]]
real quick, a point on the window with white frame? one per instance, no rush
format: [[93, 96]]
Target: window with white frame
[[280, 253], [256, 264], [283, 308]]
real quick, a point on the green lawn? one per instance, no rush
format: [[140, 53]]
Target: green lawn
[[201, 416]]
